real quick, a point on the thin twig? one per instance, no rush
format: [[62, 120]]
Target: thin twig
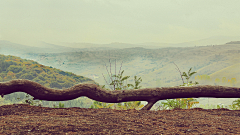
[[179, 72]]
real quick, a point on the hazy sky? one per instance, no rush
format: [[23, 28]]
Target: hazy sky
[[106, 21]]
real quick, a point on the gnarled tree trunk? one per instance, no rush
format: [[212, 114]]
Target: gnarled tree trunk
[[92, 91]]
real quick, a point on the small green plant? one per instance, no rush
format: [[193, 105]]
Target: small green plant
[[235, 105], [182, 103], [97, 104], [61, 105], [127, 105], [118, 85], [30, 101]]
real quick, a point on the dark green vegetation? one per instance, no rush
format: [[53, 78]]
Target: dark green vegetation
[[12, 67], [16, 68]]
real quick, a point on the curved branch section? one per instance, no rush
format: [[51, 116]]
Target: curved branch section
[[92, 91]]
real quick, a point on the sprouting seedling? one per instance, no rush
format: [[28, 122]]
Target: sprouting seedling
[[188, 76], [61, 105]]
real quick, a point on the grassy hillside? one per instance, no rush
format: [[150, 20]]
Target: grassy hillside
[[12, 67]]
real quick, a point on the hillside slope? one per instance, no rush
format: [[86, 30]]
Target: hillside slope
[[12, 67]]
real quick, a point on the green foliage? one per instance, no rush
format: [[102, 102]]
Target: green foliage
[[224, 80], [27, 76], [182, 103], [30, 101], [61, 105], [14, 69], [119, 83], [128, 105], [67, 84], [97, 104], [231, 82], [38, 70], [41, 77], [188, 77], [203, 77], [217, 80], [235, 105], [55, 84]]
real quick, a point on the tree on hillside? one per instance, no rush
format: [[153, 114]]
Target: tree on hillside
[[14, 69], [27, 76]]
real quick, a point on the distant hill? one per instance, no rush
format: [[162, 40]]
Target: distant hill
[[110, 46], [12, 67], [233, 42], [215, 40], [9, 48]]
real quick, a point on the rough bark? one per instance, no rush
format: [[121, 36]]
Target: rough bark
[[92, 91]]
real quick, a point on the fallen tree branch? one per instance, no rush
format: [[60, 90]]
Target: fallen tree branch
[[92, 91]]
